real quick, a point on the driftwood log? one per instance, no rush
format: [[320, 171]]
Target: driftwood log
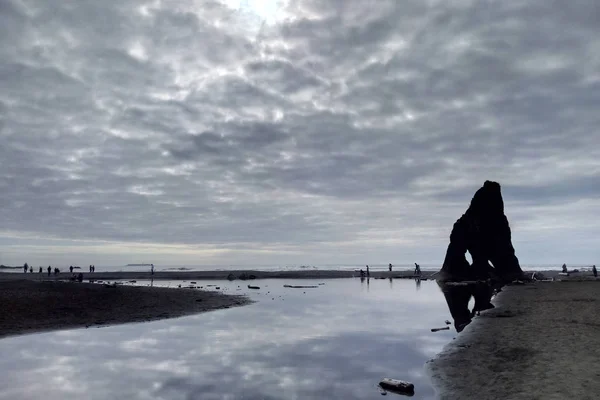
[[397, 386], [299, 286]]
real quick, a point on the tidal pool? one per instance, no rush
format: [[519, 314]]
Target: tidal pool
[[335, 341]]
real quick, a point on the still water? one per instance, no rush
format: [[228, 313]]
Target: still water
[[336, 341]]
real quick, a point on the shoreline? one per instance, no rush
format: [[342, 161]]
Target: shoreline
[[539, 342], [217, 275], [31, 307], [257, 274]]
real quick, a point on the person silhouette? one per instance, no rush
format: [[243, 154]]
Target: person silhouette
[[390, 267], [417, 269], [594, 271], [49, 270]]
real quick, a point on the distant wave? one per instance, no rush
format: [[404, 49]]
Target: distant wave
[[7, 267]]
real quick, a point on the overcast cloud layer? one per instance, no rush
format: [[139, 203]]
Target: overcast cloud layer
[[210, 132]]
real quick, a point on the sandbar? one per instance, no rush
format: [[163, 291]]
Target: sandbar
[[30, 306]]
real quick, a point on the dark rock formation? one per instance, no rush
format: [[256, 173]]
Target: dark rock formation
[[484, 232]]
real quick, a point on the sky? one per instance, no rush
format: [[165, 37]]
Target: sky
[[227, 132]]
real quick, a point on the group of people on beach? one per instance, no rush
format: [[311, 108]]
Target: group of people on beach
[[566, 271], [27, 268], [417, 271]]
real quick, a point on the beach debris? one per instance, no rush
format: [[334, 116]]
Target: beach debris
[[464, 283], [218, 287], [132, 281], [397, 386], [537, 276], [483, 230], [446, 328], [253, 287], [193, 283], [300, 286], [447, 322], [321, 284]]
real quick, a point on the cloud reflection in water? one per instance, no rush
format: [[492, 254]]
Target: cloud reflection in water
[[336, 341]]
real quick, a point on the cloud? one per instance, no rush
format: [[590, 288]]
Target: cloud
[[336, 132]]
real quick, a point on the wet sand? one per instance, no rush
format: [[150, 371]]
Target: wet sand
[[540, 342], [29, 306]]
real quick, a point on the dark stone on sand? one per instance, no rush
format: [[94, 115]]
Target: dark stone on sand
[[244, 276], [484, 232], [231, 277], [253, 287]]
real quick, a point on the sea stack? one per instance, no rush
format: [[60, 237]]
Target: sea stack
[[484, 232]]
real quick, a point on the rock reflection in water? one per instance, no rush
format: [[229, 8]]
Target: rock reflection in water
[[458, 296]]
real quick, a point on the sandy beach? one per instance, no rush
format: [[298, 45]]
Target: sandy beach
[[29, 306], [540, 342]]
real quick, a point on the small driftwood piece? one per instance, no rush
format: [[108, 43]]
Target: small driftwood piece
[[299, 286], [397, 386], [440, 329], [253, 287]]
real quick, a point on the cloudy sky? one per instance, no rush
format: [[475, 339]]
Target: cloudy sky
[[294, 132]]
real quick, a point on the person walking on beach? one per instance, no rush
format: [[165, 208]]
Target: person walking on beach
[[31, 270], [49, 270], [564, 268], [40, 271], [390, 267], [368, 273], [71, 269], [151, 269], [417, 269], [594, 271], [25, 267]]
